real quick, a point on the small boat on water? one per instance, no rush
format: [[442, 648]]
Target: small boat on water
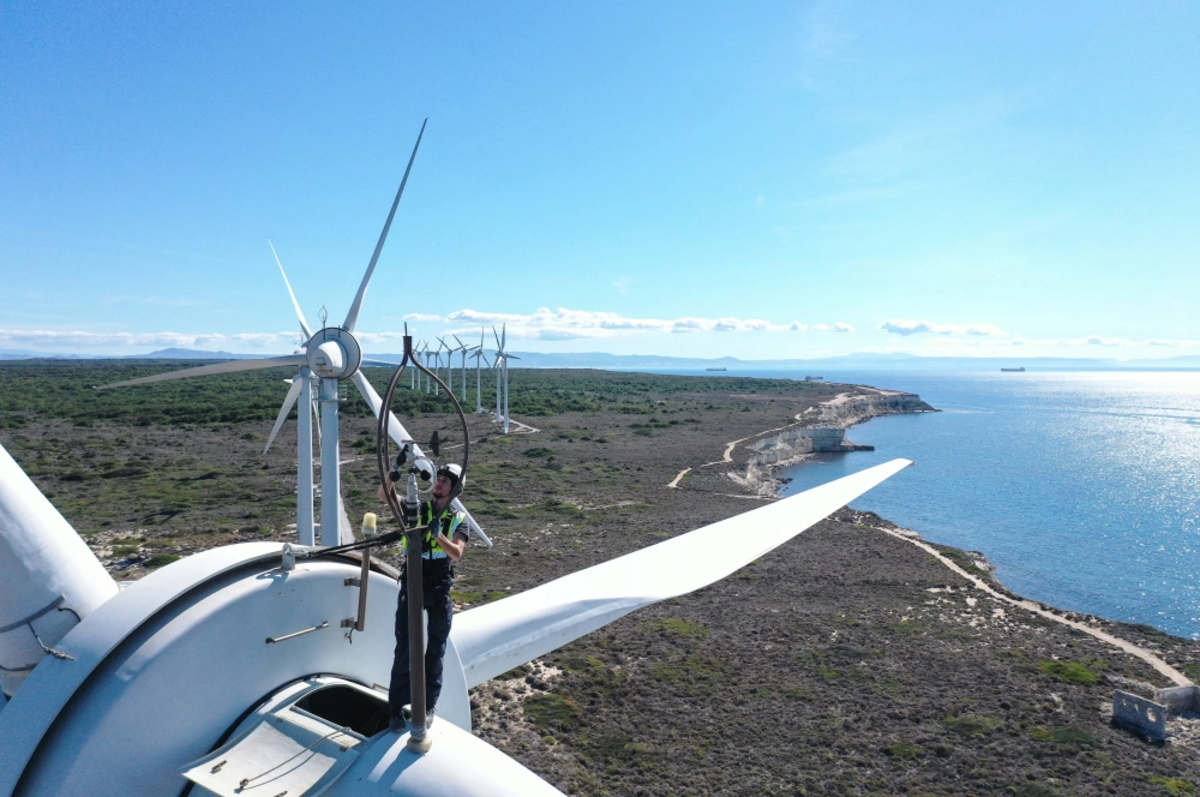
[[716, 369], [813, 378], [1019, 370]]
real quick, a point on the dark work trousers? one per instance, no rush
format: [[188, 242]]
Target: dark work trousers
[[437, 581]]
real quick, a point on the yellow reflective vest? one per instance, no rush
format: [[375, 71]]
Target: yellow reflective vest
[[447, 522]]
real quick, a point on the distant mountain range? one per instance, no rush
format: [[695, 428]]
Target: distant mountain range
[[864, 361]]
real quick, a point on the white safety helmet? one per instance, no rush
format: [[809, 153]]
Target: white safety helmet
[[455, 474]]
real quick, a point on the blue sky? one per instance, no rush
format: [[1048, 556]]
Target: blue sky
[[760, 180]]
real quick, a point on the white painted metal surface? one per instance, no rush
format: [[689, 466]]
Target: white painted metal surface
[[274, 757], [160, 672], [331, 467], [49, 578], [305, 514], [499, 636], [458, 765]]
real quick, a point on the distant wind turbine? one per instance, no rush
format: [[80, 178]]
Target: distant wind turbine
[[463, 349], [502, 358], [331, 355], [480, 360]]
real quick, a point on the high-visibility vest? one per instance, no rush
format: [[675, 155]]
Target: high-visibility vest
[[447, 523]]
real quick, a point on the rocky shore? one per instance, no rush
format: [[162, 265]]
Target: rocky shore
[[821, 430]]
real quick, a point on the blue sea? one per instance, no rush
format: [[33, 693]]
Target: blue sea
[[1083, 488]]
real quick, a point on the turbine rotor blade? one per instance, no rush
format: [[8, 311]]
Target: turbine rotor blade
[[227, 367], [496, 637], [352, 316], [299, 313], [288, 401]]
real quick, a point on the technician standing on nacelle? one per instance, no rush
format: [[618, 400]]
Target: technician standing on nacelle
[[444, 541]]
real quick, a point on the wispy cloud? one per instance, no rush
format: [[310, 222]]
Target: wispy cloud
[[904, 326], [824, 41], [909, 143], [566, 324], [623, 284]]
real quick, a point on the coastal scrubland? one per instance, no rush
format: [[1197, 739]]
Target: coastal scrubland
[[846, 662]]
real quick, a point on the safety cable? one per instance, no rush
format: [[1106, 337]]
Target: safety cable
[[246, 781]]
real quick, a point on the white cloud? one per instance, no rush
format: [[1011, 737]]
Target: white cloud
[[904, 326], [566, 324], [63, 338]]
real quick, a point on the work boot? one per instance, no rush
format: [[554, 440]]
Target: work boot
[[399, 722]]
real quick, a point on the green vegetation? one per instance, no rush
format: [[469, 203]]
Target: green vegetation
[[550, 711], [1032, 790], [905, 626], [905, 751], [1069, 671], [159, 561], [697, 672], [1063, 735], [680, 629], [1174, 786], [66, 390], [973, 725]]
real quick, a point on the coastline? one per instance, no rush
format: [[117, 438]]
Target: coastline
[[854, 407], [820, 429]]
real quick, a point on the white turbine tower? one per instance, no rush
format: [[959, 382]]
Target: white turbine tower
[[430, 359], [480, 360], [463, 349], [333, 355], [502, 358], [449, 366]]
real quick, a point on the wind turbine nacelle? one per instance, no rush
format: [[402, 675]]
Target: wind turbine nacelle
[[333, 353]]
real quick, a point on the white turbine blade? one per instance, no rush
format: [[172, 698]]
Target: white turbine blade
[[496, 335], [288, 401], [503, 335], [396, 429], [494, 638], [456, 340], [228, 367], [352, 316], [299, 313]]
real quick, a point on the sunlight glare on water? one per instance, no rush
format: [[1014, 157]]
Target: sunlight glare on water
[[1083, 488]]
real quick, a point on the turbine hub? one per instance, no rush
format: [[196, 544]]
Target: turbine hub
[[333, 353]]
